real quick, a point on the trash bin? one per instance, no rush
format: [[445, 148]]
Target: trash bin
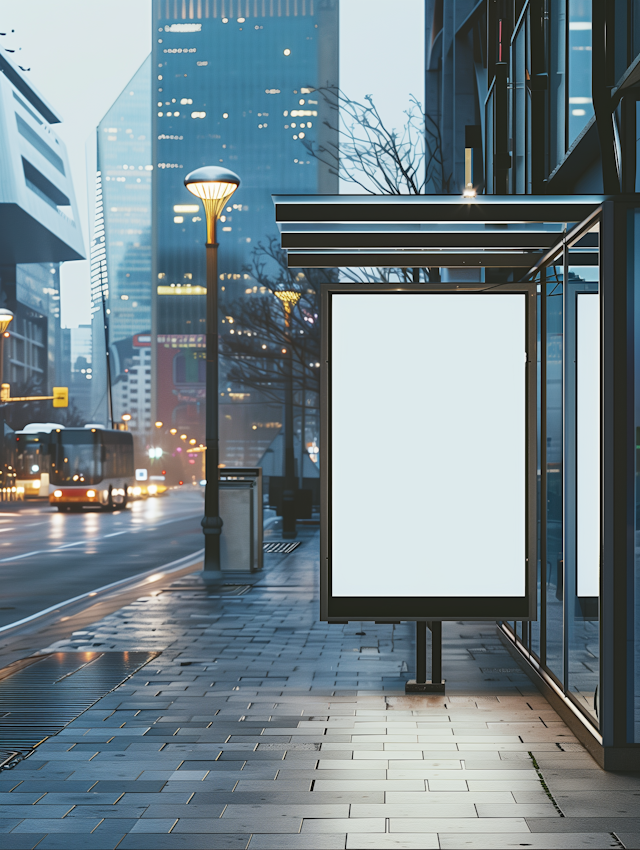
[[241, 513]]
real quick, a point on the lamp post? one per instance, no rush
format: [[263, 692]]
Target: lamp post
[[214, 186], [288, 298]]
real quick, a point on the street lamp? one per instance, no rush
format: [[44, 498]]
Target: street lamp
[[159, 424], [6, 317], [288, 298], [214, 186]]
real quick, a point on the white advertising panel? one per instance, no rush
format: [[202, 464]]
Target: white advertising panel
[[588, 443], [428, 445]]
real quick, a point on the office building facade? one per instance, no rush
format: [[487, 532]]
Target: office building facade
[[121, 251], [38, 229], [234, 84]]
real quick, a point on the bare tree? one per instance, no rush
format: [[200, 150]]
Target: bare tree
[[375, 158], [254, 333], [378, 160]]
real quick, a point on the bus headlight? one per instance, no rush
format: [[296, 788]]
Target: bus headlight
[[152, 489], [57, 494], [137, 491], [36, 484], [91, 494]]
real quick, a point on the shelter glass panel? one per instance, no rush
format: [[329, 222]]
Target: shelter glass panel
[[554, 516], [536, 625], [582, 482]]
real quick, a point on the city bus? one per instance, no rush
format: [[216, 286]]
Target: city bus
[[30, 452], [90, 466]]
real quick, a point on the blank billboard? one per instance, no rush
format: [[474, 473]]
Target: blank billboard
[[427, 453], [588, 444]]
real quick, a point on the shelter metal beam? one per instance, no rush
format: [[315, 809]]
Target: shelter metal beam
[[452, 239], [405, 259], [434, 208]]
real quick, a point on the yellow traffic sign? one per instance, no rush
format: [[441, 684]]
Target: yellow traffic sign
[[61, 397]]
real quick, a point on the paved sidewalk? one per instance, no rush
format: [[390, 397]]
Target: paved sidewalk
[[259, 727]]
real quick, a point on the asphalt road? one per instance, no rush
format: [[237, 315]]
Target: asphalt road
[[47, 556]]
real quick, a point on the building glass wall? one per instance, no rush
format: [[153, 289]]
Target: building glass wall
[[580, 102], [234, 85], [38, 288], [122, 250], [633, 635]]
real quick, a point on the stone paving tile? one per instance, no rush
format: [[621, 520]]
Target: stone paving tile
[[630, 840], [298, 842], [259, 726], [540, 841], [342, 825], [44, 825], [22, 842], [58, 841], [418, 841], [177, 841]]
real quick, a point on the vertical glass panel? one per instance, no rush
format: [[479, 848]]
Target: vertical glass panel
[[582, 482], [554, 513], [580, 102], [557, 31], [518, 119], [489, 120], [633, 270], [535, 625]]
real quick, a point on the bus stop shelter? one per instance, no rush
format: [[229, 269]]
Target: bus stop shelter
[[570, 606]]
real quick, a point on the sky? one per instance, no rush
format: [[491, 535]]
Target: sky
[[82, 53]]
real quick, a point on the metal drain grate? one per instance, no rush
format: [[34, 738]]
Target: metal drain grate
[[282, 546], [38, 700], [233, 589]]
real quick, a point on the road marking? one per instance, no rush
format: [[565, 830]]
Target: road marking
[[141, 578], [93, 539]]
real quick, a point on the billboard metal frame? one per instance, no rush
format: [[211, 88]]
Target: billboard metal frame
[[393, 609]]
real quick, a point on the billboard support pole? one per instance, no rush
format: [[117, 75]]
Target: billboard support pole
[[422, 685]]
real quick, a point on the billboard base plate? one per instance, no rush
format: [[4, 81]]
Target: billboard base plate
[[413, 687]]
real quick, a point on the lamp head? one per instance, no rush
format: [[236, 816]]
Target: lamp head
[[6, 317], [126, 417], [214, 186], [288, 297], [159, 424]]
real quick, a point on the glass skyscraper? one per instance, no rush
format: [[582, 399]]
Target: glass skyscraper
[[234, 85], [121, 253]]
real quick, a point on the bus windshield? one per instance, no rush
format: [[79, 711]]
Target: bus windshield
[[87, 457], [76, 458], [30, 457]]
